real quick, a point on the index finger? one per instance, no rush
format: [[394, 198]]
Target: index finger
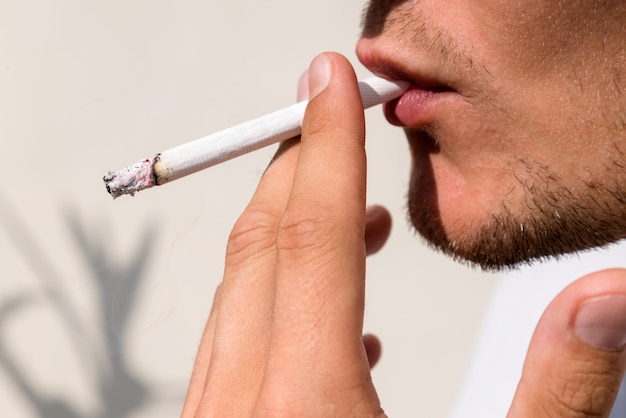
[[318, 311], [327, 199], [321, 234]]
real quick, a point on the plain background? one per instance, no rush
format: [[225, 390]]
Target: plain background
[[102, 302]]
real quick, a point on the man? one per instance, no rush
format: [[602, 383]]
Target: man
[[516, 121]]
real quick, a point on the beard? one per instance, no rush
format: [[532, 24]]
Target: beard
[[550, 221]]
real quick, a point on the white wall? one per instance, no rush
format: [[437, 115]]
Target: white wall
[[87, 87]]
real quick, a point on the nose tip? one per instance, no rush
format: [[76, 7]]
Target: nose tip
[[372, 53], [364, 51], [361, 49]]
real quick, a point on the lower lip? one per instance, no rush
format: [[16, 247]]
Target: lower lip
[[414, 107]]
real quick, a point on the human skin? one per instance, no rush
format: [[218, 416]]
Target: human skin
[[283, 338], [517, 121], [516, 124]]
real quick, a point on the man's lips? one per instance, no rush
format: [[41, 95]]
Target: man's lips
[[416, 106]]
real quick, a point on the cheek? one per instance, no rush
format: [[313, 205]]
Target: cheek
[[479, 139], [528, 39], [478, 166]]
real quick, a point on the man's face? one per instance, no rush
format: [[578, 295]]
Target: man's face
[[516, 121]]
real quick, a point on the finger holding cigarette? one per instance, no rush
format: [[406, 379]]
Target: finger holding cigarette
[[232, 142]]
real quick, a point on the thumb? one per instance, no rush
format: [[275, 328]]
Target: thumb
[[575, 362]]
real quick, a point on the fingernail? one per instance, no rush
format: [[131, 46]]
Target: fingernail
[[601, 322], [303, 86], [320, 73]]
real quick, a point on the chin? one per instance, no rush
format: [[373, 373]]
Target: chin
[[547, 221]]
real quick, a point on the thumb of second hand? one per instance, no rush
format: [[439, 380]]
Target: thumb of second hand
[[576, 359]]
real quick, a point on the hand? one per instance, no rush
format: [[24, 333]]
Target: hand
[[284, 334], [575, 363]]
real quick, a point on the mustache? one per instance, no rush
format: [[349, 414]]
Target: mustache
[[405, 22]]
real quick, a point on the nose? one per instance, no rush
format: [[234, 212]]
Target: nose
[[374, 53], [377, 47], [364, 51]]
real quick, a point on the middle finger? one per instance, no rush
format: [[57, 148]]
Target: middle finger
[[240, 337]]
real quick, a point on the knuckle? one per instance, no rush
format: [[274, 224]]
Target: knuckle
[[306, 229], [253, 234], [585, 394]]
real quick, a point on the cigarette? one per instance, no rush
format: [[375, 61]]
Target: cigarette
[[232, 142]]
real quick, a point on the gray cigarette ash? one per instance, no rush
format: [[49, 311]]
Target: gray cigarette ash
[[131, 179]]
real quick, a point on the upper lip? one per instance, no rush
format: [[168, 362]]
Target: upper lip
[[388, 63], [390, 72], [394, 62]]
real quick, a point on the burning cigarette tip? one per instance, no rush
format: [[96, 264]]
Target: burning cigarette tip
[[131, 179]]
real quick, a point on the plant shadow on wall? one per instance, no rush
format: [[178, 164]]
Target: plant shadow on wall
[[119, 391]]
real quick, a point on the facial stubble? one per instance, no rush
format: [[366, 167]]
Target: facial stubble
[[550, 221]]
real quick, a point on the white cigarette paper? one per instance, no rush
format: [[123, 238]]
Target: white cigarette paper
[[213, 149]]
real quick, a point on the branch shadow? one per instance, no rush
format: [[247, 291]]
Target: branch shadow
[[118, 285], [44, 406], [117, 288]]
